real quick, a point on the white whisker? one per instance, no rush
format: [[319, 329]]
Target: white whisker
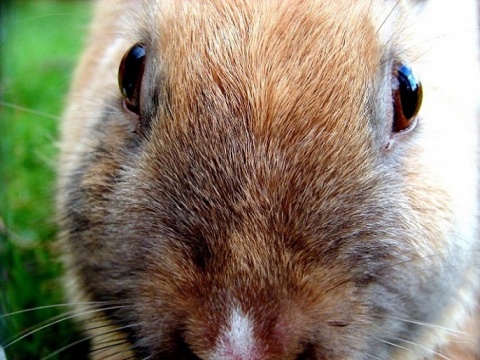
[[87, 338], [67, 305], [45, 16], [75, 315], [431, 326], [424, 348], [388, 16], [27, 110], [373, 356], [395, 345], [112, 345]]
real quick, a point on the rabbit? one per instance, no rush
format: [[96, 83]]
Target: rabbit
[[274, 179]]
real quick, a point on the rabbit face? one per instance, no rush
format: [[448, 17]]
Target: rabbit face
[[266, 184]]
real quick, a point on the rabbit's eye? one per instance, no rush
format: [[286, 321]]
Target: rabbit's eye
[[130, 76], [407, 98]]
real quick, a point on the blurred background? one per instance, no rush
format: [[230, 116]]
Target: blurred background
[[40, 41]]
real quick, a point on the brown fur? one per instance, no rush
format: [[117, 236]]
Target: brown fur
[[262, 175]]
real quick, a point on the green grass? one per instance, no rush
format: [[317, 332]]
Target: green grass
[[39, 42]]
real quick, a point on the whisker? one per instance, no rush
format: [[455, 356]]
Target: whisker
[[69, 346], [387, 17], [38, 327], [44, 307], [112, 344], [29, 111], [105, 349], [452, 332], [39, 17], [395, 345], [424, 348], [75, 314], [87, 338], [373, 356]]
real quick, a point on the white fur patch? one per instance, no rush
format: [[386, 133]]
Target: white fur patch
[[237, 340]]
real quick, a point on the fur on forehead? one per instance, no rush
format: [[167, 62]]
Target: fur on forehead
[[287, 58]]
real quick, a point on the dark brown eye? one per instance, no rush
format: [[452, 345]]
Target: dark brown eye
[[130, 76], [407, 98]]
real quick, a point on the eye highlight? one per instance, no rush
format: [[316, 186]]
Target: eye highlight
[[407, 98], [130, 74]]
